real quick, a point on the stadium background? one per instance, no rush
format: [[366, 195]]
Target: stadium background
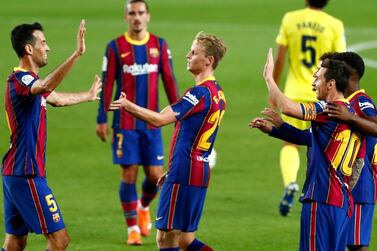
[[241, 210]]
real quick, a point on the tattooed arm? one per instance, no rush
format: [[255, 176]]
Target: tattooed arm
[[356, 172]]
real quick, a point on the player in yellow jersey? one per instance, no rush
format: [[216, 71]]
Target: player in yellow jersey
[[304, 35]]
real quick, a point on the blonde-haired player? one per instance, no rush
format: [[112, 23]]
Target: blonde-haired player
[[304, 35]]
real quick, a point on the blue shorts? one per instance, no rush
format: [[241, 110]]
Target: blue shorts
[[323, 227], [30, 206], [180, 207], [141, 147], [360, 228]]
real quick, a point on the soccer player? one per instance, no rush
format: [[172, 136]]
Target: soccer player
[[304, 35], [29, 204], [197, 116], [327, 202], [364, 193], [135, 60]]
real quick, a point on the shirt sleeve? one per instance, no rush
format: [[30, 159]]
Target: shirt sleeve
[[167, 74], [24, 82], [292, 134], [109, 67], [311, 111], [282, 35], [365, 107], [188, 104]]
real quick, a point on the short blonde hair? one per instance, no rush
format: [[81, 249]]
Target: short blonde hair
[[213, 46]]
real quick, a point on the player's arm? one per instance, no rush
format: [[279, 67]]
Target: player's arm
[[356, 172], [280, 129], [166, 116], [279, 62], [55, 78], [167, 74], [286, 105], [65, 99], [109, 68], [365, 126]]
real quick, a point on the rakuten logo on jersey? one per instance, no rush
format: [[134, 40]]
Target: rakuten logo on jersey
[[191, 98], [138, 69]]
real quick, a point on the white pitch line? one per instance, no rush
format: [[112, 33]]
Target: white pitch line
[[362, 47]]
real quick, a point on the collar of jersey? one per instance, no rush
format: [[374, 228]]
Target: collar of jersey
[[353, 94], [343, 100], [137, 42], [19, 69], [211, 78]]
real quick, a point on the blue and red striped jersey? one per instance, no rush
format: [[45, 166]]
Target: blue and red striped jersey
[[135, 66], [334, 149], [200, 111], [365, 189], [26, 115]]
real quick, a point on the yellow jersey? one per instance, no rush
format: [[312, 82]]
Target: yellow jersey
[[308, 34]]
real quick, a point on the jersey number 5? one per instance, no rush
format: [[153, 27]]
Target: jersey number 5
[[214, 119], [51, 203], [307, 47]]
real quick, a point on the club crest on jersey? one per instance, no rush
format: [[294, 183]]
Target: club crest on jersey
[[56, 217], [27, 79], [154, 52], [191, 98], [119, 153]]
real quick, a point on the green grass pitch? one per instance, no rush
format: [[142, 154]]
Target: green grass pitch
[[241, 210]]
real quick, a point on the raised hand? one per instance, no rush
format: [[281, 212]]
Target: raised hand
[[95, 89], [80, 47], [269, 67]]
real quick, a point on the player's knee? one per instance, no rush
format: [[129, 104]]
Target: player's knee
[[59, 243], [160, 238], [153, 176], [15, 243], [165, 239]]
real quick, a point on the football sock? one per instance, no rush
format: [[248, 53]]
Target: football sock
[[289, 163], [197, 245], [169, 249], [128, 198], [133, 228], [149, 192]]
